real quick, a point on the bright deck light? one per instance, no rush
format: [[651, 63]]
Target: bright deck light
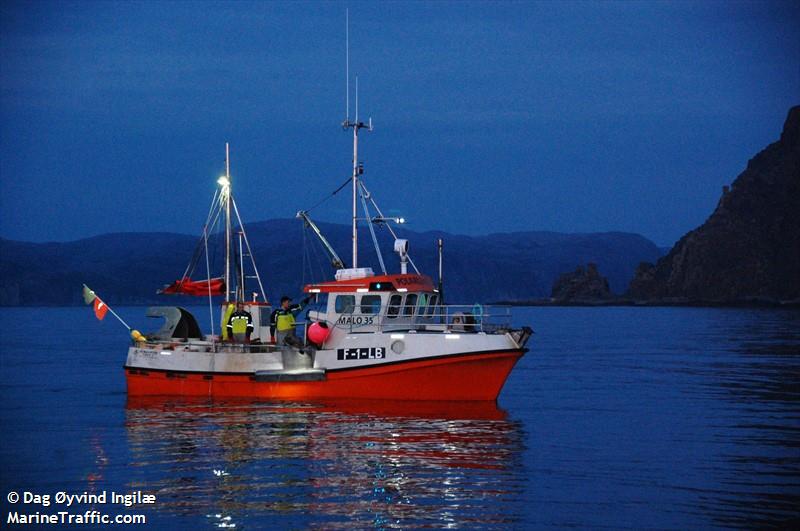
[[223, 181]]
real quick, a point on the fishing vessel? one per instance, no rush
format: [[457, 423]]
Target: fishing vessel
[[366, 335]]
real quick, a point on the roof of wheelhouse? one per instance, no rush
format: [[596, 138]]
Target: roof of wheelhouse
[[399, 282]]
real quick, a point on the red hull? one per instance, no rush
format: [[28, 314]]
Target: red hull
[[461, 377]]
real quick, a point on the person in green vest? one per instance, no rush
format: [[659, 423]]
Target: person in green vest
[[240, 325], [281, 323], [225, 319]]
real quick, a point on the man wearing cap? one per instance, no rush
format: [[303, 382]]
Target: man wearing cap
[[281, 323]]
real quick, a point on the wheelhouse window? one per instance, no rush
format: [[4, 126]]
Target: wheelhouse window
[[423, 302], [345, 303], [370, 304], [410, 306], [395, 303], [321, 300], [432, 305]]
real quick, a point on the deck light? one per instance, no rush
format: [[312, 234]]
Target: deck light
[[223, 181]]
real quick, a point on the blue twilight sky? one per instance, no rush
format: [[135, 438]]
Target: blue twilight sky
[[566, 116]]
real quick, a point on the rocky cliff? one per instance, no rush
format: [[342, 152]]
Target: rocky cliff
[[749, 248]]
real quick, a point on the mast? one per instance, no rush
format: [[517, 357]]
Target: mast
[[440, 244], [240, 290], [355, 184], [227, 189], [358, 169]]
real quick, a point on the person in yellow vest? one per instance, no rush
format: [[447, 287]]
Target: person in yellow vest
[[281, 324], [225, 318], [240, 325]]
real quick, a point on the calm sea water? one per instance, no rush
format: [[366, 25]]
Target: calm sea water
[[618, 418]]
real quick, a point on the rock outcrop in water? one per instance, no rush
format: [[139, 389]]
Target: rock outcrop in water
[[749, 248], [582, 285]]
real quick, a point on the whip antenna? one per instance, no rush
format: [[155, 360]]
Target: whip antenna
[[347, 60]]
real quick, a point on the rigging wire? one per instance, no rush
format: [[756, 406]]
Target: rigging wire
[[208, 275], [249, 252], [380, 214], [371, 229], [319, 252], [201, 244], [211, 207], [365, 195], [331, 194], [313, 249], [304, 252], [209, 228], [316, 252], [214, 230]]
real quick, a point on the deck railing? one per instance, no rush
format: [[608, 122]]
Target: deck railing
[[454, 318], [438, 318]]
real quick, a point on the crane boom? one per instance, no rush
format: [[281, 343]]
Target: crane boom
[[335, 260]]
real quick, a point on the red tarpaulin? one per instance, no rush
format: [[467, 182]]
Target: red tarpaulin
[[187, 286]]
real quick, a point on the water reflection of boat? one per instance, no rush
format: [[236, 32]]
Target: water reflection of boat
[[430, 409], [334, 464]]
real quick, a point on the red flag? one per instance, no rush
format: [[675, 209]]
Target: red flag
[[100, 308]]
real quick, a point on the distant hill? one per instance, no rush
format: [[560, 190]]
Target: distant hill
[[749, 248], [128, 268]]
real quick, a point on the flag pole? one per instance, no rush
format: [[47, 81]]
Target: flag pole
[[89, 296], [117, 316]]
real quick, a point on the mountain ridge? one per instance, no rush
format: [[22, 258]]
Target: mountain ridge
[[128, 268]]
